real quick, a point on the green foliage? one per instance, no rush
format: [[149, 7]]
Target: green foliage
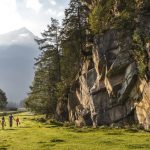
[[139, 52], [73, 33], [60, 59], [140, 60], [73, 41], [100, 18], [112, 14], [42, 97], [94, 18], [3, 99]]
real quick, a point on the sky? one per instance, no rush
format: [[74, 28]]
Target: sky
[[32, 14]]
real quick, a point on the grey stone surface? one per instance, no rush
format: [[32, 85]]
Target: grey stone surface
[[111, 91]]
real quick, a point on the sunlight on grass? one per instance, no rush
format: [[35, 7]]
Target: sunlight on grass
[[32, 135]]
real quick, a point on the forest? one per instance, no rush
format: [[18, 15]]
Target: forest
[[64, 49]]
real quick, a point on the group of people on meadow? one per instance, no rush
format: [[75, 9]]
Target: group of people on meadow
[[10, 119]]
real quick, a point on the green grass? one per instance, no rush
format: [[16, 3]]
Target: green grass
[[32, 135], [9, 112]]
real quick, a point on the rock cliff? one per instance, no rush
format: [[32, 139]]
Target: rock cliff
[[109, 88]]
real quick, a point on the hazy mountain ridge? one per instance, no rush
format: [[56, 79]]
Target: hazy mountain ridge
[[17, 52], [19, 37]]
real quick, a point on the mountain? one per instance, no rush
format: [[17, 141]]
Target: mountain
[[22, 37], [17, 52]]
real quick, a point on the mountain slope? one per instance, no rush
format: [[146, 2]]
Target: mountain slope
[[17, 53]]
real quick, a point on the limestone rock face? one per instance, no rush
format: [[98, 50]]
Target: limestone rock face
[[103, 91], [109, 89], [143, 106]]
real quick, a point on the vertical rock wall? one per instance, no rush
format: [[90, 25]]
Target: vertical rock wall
[[109, 88]]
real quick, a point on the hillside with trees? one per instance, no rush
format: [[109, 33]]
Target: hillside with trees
[[94, 69], [62, 50]]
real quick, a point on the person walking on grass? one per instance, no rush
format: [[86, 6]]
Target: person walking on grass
[[11, 118], [3, 123], [17, 121]]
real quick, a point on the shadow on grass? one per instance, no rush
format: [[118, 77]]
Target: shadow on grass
[[112, 142], [10, 129], [132, 130], [42, 142], [52, 126], [26, 127], [4, 147], [25, 118], [46, 143], [114, 133], [56, 140], [56, 123], [107, 142], [138, 146], [82, 130]]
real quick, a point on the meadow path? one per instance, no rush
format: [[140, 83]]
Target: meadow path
[[32, 135]]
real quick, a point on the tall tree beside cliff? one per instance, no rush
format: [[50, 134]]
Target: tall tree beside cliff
[[47, 71], [55, 68], [3, 99], [73, 38]]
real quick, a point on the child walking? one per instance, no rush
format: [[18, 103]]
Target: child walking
[[3, 123], [17, 121]]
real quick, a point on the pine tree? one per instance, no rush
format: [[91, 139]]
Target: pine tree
[[3, 99], [47, 71], [73, 38], [60, 58]]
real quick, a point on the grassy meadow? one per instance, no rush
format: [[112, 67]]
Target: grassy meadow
[[32, 135]]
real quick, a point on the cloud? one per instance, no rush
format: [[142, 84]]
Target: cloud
[[33, 14], [60, 14], [9, 17], [53, 2], [34, 4], [55, 14]]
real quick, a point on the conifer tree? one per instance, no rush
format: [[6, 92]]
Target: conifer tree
[[73, 38], [47, 71], [60, 58], [3, 99]]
